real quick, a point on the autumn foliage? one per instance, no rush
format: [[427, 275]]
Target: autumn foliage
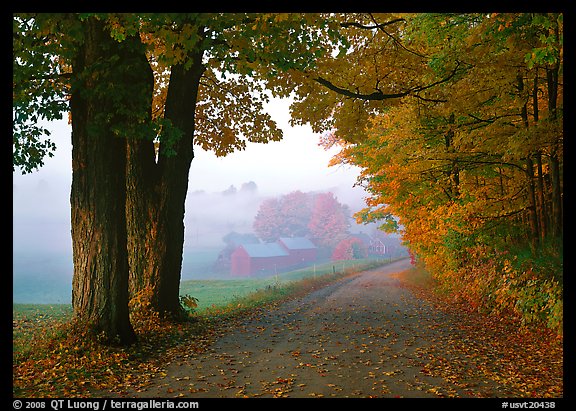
[[319, 216], [350, 249], [461, 149]]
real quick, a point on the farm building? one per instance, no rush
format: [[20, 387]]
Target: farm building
[[375, 246], [251, 259], [301, 249]]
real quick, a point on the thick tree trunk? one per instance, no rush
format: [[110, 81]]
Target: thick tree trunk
[[98, 214], [142, 224], [156, 199]]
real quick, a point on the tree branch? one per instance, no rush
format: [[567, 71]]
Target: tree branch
[[503, 215], [375, 26], [381, 26], [394, 39], [379, 95]]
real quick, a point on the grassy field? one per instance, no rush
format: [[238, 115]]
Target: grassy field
[[210, 293], [38, 321]]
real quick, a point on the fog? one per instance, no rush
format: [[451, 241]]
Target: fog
[[224, 195], [42, 245]]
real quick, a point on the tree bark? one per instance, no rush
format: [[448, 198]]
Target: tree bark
[[142, 224], [554, 162], [534, 236], [541, 197], [532, 206], [156, 198], [98, 214], [454, 170]]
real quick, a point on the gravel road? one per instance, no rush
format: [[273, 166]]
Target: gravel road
[[363, 336]]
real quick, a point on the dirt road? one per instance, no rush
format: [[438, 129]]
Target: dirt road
[[364, 336]]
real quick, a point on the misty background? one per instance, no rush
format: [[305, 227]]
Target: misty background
[[224, 195]]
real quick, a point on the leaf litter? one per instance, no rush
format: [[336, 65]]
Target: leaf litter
[[343, 340], [400, 343]]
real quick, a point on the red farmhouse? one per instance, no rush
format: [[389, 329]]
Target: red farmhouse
[[250, 259]]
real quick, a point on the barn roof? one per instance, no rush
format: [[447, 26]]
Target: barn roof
[[297, 243], [265, 250]]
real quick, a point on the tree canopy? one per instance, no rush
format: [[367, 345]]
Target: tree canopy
[[242, 54], [455, 121]]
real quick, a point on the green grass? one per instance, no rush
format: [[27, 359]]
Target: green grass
[[210, 293], [218, 293], [41, 312]]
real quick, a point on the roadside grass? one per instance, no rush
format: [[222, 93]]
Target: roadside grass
[[54, 358], [416, 277]]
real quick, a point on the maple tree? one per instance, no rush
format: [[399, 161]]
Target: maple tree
[[316, 215], [283, 216], [266, 224], [350, 249], [105, 89], [454, 121], [329, 220], [219, 66], [169, 81]]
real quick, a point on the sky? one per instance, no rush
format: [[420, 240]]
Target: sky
[[42, 246], [296, 162]]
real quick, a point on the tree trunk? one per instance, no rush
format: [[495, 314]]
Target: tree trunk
[[156, 198], [532, 207], [142, 224], [543, 214], [98, 214], [541, 197], [534, 236], [554, 162], [453, 172]]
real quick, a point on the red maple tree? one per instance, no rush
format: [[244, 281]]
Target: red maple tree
[[329, 221]]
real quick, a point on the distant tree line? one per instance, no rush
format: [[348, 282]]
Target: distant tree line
[[318, 216]]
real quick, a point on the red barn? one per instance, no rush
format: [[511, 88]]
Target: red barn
[[301, 249], [250, 259]]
